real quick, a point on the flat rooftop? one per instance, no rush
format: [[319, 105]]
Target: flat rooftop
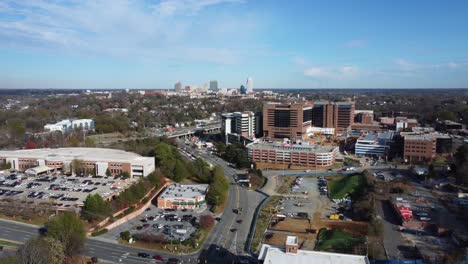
[[291, 240], [292, 147], [184, 191], [380, 138], [424, 136], [274, 255], [69, 154]]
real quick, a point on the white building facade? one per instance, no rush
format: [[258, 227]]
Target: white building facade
[[374, 144], [68, 125]]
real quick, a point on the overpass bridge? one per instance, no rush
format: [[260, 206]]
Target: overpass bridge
[[187, 133]]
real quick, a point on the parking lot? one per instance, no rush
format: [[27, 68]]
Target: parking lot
[[66, 191], [171, 223], [304, 197]]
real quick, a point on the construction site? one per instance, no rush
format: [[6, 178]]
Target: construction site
[[302, 207]]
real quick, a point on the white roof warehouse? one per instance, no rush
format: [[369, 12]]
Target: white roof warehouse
[[98, 159]]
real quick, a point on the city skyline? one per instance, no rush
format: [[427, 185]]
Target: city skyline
[[307, 44]]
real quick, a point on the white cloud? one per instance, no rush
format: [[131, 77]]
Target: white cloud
[[405, 65], [349, 71], [356, 43], [300, 61], [453, 65], [316, 72], [408, 66], [332, 72], [131, 29]]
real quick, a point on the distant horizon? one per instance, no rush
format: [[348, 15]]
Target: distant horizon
[[305, 43], [260, 89]]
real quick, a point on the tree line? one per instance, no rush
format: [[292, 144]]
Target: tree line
[[61, 241]]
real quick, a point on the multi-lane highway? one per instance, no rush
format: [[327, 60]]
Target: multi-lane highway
[[223, 245], [239, 197]]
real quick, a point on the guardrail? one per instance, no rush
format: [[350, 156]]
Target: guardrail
[[248, 246]]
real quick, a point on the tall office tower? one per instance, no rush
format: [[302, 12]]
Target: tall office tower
[[239, 123], [323, 114], [214, 86], [178, 87], [242, 89], [227, 123], [339, 115], [345, 116], [245, 124], [258, 124], [286, 120], [249, 85]]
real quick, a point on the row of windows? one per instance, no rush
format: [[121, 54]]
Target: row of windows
[[26, 160], [54, 163], [418, 151], [115, 171]]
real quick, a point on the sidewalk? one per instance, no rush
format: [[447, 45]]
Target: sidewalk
[[19, 223]]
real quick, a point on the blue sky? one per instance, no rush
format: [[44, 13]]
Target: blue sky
[[280, 44]]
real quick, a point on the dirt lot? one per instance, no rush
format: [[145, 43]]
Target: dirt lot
[[278, 239], [291, 225]]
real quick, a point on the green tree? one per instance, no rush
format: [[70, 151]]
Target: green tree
[[78, 166], [74, 142], [125, 175], [95, 207], [90, 142], [446, 115], [42, 250], [219, 187], [16, 128], [180, 171], [5, 166], [126, 235], [155, 178], [108, 172], [165, 158], [461, 164], [68, 228], [202, 170]]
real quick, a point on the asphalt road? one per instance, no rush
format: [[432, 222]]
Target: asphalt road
[[221, 245], [239, 197]]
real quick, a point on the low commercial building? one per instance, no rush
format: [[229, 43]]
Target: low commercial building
[[425, 146], [183, 196], [376, 144], [291, 254], [98, 160], [449, 126], [69, 125], [292, 154], [403, 123]]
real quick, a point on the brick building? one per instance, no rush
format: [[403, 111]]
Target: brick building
[[286, 120], [293, 154], [183, 196]]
